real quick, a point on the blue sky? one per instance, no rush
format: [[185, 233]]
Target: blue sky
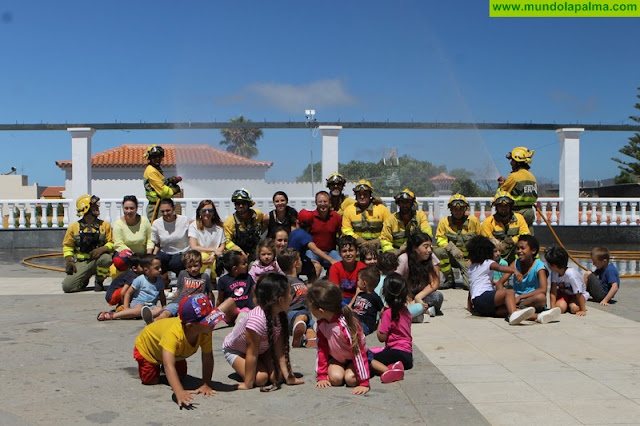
[[156, 61]]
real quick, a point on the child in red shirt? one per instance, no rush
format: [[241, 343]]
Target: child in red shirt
[[344, 274]]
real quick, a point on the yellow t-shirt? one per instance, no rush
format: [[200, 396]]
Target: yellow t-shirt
[[169, 334]]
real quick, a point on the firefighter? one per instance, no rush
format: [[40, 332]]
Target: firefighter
[[243, 228], [521, 184], [338, 201], [452, 235], [156, 186], [364, 219], [87, 247], [505, 225], [406, 221]]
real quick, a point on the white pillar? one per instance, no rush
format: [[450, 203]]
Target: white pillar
[[329, 149], [569, 175], [80, 160]]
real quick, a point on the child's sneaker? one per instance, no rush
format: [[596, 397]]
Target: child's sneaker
[[549, 316], [146, 314], [393, 374], [432, 311], [520, 315]]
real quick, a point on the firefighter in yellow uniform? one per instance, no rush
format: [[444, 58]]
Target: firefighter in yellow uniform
[[156, 186], [338, 201], [243, 228], [505, 225], [87, 247], [521, 184], [406, 221], [452, 235], [364, 219]]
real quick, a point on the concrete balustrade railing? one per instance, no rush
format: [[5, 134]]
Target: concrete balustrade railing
[[32, 214]]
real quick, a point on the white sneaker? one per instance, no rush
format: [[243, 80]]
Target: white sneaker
[[520, 315], [418, 319], [432, 311], [549, 316]]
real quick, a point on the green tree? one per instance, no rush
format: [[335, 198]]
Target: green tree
[[630, 169], [241, 141]]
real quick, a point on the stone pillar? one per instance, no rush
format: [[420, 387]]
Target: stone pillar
[[80, 160], [329, 150], [569, 175]]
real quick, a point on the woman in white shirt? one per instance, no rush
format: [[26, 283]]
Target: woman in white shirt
[[206, 235], [169, 235]]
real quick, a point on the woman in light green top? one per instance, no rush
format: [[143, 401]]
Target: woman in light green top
[[132, 231]]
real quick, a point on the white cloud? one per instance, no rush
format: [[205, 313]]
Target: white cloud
[[291, 98]]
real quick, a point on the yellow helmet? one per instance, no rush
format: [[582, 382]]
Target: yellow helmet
[[336, 177], [502, 197], [521, 154], [405, 194], [363, 185], [154, 151], [83, 204], [457, 200]]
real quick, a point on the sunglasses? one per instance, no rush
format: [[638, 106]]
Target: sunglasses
[[210, 211]]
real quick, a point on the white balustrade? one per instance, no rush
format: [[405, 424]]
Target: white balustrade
[[32, 214]]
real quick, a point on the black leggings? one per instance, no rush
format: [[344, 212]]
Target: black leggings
[[389, 356]]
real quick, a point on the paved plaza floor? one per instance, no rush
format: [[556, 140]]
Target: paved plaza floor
[[60, 365]]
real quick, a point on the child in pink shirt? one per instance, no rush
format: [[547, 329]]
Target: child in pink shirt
[[342, 355], [395, 330], [258, 346]]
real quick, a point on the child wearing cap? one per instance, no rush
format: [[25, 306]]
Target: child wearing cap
[[169, 342]]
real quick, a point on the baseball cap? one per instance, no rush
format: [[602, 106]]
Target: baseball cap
[[305, 216], [121, 259], [198, 308]]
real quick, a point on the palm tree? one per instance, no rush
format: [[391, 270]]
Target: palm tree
[[241, 141]]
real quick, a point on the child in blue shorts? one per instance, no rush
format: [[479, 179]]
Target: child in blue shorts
[[190, 281]]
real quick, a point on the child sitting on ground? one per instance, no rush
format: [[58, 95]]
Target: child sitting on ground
[[190, 281], [395, 331], [143, 294], [532, 289], [604, 282], [298, 316], [120, 284], [366, 304], [265, 260], [170, 342], [342, 355], [237, 285], [387, 263], [368, 255], [498, 251], [258, 346], [486, 301], [344, 274], [568, 290]]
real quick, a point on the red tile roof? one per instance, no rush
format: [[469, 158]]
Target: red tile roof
[[132, 155], [52, 192]]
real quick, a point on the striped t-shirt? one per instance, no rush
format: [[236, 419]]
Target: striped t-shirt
[[256, 321]]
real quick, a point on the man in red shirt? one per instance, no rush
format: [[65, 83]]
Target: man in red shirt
[[325, 229]]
